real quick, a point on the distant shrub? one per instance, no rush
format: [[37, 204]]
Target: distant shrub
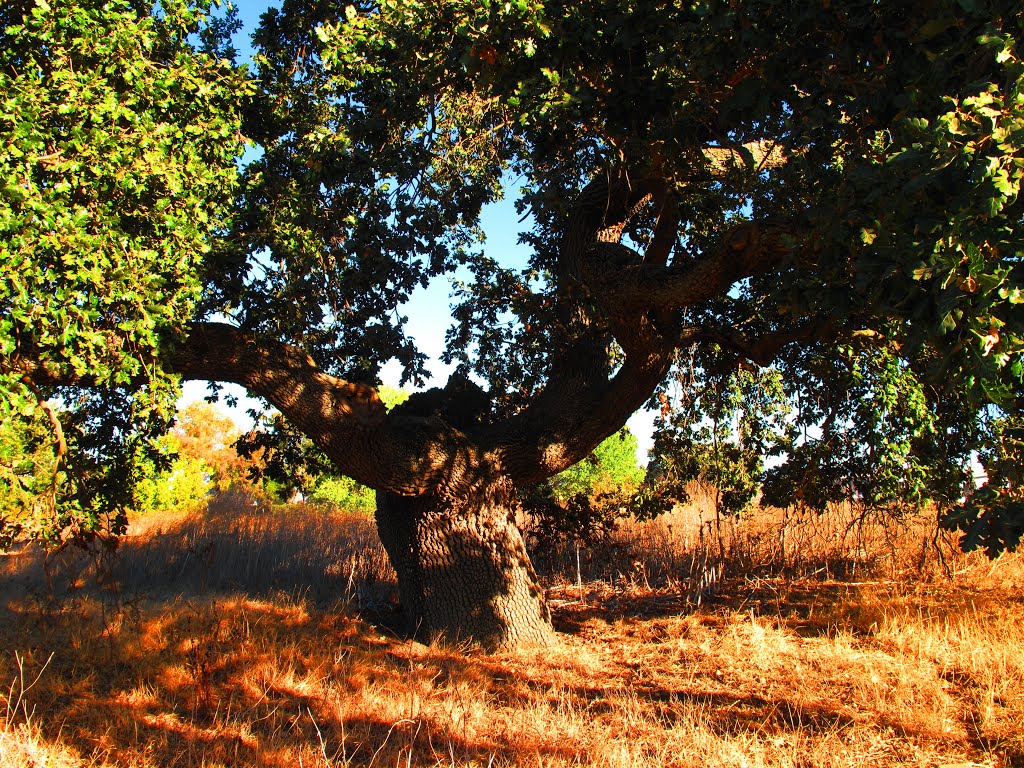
[[183, 487], [344, 493], [611, 468], [584, 502]]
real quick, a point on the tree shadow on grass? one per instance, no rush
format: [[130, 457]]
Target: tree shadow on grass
[[238, 681], [808, 607], [237, 545], [186, 661], [722, 707]]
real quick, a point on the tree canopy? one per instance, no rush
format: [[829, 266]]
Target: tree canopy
[[830, 189], [120, 132], [833, 190]]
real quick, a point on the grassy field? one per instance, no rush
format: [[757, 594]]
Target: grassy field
[[259, 635]]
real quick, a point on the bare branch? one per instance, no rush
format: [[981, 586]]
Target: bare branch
[[284, 375], [665, 233], [748, 249], [51, 415]]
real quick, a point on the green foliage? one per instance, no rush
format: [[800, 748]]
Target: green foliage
[[385, 129], [993, 517], [881, 436], [611, 467], [118, 167], [717, 435], [181, 487], [282, 459], [69, 471], [200, 449], [344, 493], [584, 502], [28, 471], [120, 142], [392, 397]]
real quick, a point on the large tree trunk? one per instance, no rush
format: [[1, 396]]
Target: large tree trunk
[[463, 570]]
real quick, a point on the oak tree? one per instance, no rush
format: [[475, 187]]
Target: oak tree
[[829, 188]]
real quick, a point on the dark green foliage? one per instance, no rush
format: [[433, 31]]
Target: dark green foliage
[[881, 435], [72, 474], [893, 325], [905, 132], [993, 516]]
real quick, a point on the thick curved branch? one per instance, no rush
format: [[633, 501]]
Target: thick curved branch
[[583, 402], [600, 213], [61, 444], [581, 405], [594, 264], [282, 374], [611, 200], [404, 455], [620, 284]]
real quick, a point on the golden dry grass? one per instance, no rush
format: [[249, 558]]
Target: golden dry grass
[[257, 636]]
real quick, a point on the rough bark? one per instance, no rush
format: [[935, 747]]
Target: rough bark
[[463, 570]]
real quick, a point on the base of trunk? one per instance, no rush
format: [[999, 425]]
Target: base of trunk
[[463, 570]]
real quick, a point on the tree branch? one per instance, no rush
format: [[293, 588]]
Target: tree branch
[[600, 213], [620, 285], [284, 375], [753, 156], [664, 237], [402, 454], [573, 414], [763, 350]]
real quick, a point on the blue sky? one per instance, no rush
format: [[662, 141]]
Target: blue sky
[[428, 308]]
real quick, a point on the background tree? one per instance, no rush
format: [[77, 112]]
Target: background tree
[[28, 472], [180, 483], [203, 431], [584, 502], [717, 434], [612, 467], [199, 458], [809, 185]]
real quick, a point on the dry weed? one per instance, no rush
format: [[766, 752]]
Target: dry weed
[[259, 654]]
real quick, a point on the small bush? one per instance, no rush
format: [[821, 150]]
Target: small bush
[[344, 493], [181, 488]]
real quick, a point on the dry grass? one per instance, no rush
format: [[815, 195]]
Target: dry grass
[[257, 636]]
